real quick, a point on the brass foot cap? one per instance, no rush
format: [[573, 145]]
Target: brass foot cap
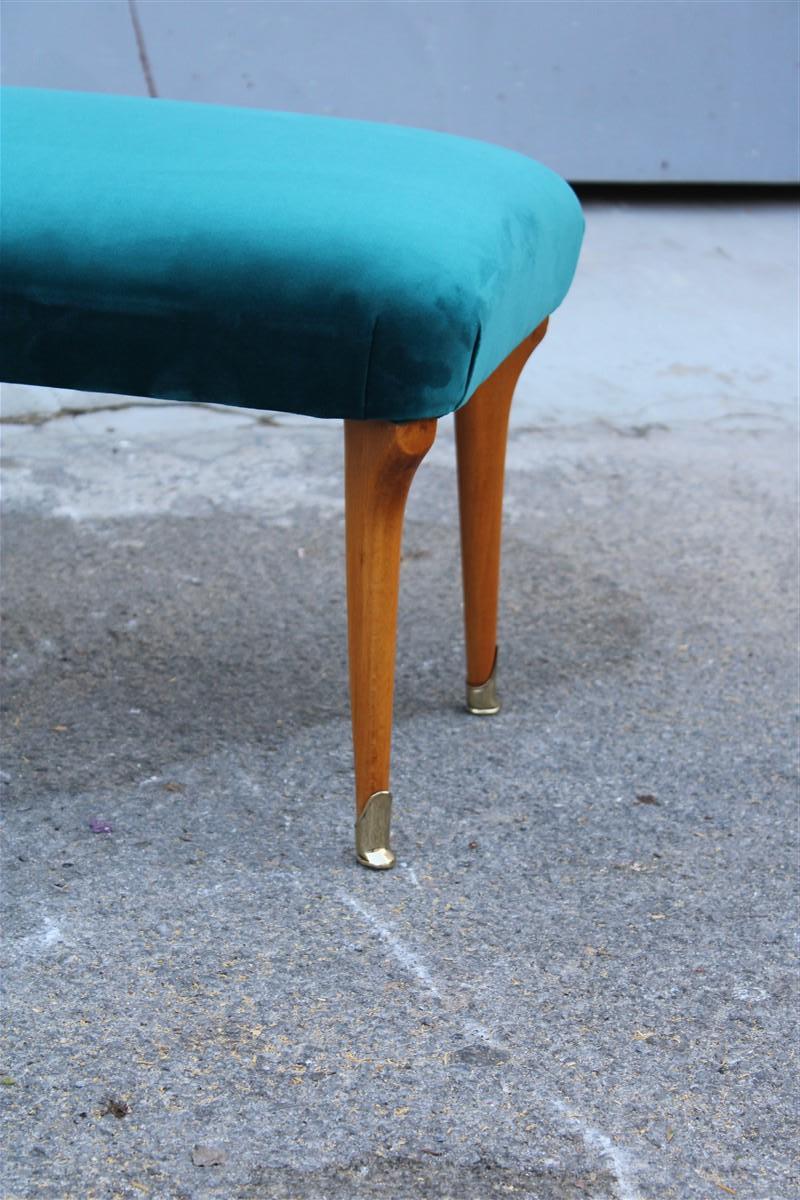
[[482, 699], [378, 860], [372, 833]]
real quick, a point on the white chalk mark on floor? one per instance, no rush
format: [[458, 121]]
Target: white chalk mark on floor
[[407, 958], [48, 936], [412, 874], [594, 1139], [618, 1159]]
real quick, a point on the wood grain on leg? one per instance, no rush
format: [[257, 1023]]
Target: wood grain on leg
[[380, 461], [481, 434]]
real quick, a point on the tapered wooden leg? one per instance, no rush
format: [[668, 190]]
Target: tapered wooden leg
[[380, 461], [481, 434]]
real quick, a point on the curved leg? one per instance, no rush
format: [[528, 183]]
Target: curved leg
[[380, 460], [481, 433]]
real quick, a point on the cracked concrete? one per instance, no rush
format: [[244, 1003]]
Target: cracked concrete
[[580, 980]]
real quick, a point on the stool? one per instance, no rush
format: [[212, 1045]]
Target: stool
[[377, 274]]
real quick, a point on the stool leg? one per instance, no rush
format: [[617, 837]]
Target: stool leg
[[481, 434], [380, 461]]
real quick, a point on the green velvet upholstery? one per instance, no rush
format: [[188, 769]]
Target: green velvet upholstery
[[273, 260]]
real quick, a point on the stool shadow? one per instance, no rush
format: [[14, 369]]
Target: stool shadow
[[169, 637]]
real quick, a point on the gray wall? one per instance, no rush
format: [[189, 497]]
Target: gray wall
[[646, 90]]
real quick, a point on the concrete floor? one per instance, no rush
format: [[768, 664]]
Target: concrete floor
[[580, 981]]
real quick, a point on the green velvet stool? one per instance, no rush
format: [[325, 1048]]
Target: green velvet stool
[[371, 273]]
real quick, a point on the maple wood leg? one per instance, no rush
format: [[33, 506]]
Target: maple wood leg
[[380, 461], [481, 435]]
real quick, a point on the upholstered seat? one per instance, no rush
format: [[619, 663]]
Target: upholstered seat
[[307, 264]]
